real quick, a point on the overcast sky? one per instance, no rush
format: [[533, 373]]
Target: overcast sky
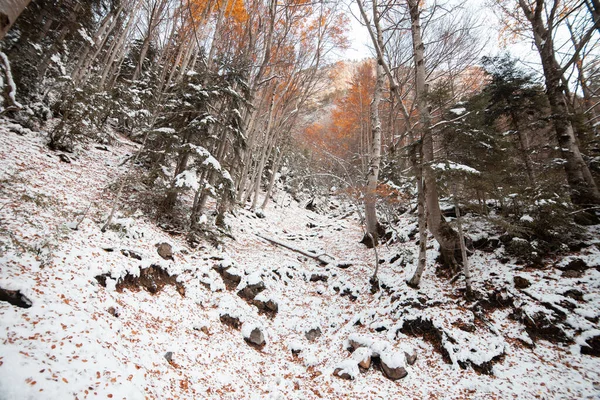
[[360, 41]]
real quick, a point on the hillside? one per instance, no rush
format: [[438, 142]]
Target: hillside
[[104, 315]]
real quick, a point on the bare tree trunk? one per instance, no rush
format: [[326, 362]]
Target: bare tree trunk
[[463, 248], [415, 281], [9, 11], [373, 174], [85, 61], [276, 164], [443, 233], [146, 44], [213, 45], [116, 50], [583, 189], [264, 155], [253, 113], [524, 147]]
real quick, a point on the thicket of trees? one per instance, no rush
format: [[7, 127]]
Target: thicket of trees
[[212, 90], [219, 94], [485, 133]]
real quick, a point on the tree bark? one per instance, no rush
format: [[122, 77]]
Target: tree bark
[[422, 219], [276, 164], [373, 174], [9, 12], [583, 189], [463, 248], [441, 230]]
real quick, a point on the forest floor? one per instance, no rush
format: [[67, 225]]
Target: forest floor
[[91, 331]]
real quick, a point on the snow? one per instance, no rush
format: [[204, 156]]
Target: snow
[[212, 162], [526, 218], [56, 60], [362, 353], [165, 130], [349, 367], [250, 326], [452, 166], [67, 343], [394, 359], [187, 180], [85, 36], [458, 110], [254, 278]]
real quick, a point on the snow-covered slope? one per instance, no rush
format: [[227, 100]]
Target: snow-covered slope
[[80, 339]]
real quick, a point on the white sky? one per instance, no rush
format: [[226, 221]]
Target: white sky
[[361, 42]]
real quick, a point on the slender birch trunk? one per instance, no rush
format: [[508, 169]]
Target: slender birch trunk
[[443, 233], [373, 173]]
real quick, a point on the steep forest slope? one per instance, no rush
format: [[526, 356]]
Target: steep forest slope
[[136, 313]]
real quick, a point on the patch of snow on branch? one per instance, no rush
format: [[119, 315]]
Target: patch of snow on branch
[[458, 111], [452, 166], [187, 180]]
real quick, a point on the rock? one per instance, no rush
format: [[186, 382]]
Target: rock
[[266, 306], [251, 290], [255, 338], [312, 334], [395, 258], [64, 158], [318, 278], [153, 279], [203, 329], [411, 359], [363, 356], [464, 326], [113, 311], [347, 369], [230, 320], [15, 297], [311, 205], [585, 218], [521, 283], [165, 251], [295, 347], [572, 274], [593, 346], [575, 294], [231, 276], [392, 365], [169, 356], [131, 254], [488, 244], [342, 373], [576, 264]]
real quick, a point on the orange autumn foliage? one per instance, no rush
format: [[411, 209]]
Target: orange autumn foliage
[[347, 133]]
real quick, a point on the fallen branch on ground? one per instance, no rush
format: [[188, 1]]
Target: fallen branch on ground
[[322, 258]]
